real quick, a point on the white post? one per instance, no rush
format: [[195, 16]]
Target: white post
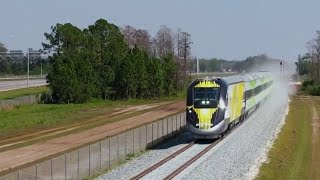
[[197, 66], [41, 69], [28, 68]]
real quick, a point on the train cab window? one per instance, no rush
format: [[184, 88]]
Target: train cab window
[[199, 94], [206, 97]]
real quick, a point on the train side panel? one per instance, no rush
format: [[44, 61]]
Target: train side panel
[[236, 100]]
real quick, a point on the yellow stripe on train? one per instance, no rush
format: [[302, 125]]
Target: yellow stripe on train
[[205, 116], [207, 84]]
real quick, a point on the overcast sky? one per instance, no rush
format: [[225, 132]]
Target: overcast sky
[[224, 29]]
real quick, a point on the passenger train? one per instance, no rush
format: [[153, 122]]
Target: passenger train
[[215, 105]]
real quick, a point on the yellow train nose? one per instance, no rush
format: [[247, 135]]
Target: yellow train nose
[[205, 116]]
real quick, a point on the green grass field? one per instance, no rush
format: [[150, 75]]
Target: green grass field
[[23, 92], [25, 119], [290, 156]]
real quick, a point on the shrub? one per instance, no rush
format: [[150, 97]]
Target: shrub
[[306, 85], [314, 90]]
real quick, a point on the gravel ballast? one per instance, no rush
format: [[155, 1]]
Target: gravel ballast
[[136, 165], [238, 156]]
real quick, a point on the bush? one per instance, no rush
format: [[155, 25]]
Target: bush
[[307, 85], [314, 90]]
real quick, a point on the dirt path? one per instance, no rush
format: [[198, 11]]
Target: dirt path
[[30, 138], [315, 123], [315, 174], [21, 156]]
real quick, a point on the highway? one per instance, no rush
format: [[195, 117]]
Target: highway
[[18, 84]]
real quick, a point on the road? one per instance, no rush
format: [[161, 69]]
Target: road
[[18, 84]]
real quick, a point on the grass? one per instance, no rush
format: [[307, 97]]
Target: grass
[[315, 173], [27, 119], [291, 154], [23, 92]]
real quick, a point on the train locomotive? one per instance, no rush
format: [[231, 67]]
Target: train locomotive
[[215, 105]]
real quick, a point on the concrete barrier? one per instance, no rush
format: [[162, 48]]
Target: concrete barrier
[[8, 104]]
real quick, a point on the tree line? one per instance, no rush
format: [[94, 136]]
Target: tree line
[[104, 61], [8, 67], [308, 66], [251, 63]]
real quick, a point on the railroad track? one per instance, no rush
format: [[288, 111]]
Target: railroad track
[[186, 164]]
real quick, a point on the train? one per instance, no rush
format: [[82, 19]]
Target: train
[[216, 104]]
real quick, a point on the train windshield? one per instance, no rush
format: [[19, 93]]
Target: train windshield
[[206, 97]]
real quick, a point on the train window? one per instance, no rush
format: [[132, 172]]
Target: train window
[[249, 93], [206, 97], [199, 94], [213, 95], [258, 89]]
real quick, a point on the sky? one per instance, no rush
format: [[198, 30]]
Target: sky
[[228, 29]]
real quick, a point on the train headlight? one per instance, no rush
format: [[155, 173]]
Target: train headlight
[[203, 102], [207, 102], [222, 104], [190, 111]]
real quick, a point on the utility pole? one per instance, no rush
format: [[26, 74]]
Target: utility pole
[[299, 65], [40, 66], [197, 66], [41, 69], [282, 71], [28, 68]]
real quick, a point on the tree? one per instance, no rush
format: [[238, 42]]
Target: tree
[[142, 40], [4, 63], [304, 64], [316, 55], [55, 41], [178, 43], [142, 80], [5, 67], [137, 38], [2, 48], [170, 68], [129, 35], [131, 74], [164, 42], [109, 51], [100, 61], [71, 78], [185, 48]]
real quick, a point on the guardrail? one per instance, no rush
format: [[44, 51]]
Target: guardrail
[[23, 77], [95, 158]]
